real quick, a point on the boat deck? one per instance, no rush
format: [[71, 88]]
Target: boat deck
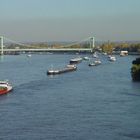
[[69, 68]]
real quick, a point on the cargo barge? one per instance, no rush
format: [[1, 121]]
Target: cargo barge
[[68, 68]]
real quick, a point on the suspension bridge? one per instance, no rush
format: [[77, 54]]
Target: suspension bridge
[[65, 48]]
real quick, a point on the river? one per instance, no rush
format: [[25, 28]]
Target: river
[[92, 103]]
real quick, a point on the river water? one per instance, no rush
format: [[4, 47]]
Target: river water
[[92, 103]]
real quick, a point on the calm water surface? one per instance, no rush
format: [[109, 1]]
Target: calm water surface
[[92, 103]]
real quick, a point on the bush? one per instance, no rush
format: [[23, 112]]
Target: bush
[[137, 61]]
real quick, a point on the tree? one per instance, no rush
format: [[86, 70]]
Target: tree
[[107, 48]]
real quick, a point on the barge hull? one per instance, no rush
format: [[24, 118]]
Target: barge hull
[[61, 71]]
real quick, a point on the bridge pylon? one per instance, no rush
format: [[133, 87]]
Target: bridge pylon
[[1, 45], [92, 44]]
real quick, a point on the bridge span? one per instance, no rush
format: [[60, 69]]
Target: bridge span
[[82, 50], [30, 49]]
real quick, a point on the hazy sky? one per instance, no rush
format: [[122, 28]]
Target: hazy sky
[[70, 20]]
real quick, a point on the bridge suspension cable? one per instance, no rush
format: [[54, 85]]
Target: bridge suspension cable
[[68, 45], [21, 44], [78, 42]]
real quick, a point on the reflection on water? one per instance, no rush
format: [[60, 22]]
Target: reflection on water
[[1, 58]]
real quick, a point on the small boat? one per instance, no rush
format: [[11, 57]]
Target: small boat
[[86, 58], [97, 62], [92, 64], [68, 68], [5, 87], [76, 60], [29, 55], [123, 53], [112, 58], [95, 55]]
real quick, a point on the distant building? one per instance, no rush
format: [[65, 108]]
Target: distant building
[[123, 53]]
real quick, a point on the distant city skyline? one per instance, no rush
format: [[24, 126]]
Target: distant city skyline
[[70, 20]]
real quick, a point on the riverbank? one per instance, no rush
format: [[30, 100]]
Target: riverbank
[[135, 70]]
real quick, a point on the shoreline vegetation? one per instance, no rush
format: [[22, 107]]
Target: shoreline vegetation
[[135, 70]]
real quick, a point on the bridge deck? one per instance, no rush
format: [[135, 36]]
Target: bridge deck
[[50, 50]]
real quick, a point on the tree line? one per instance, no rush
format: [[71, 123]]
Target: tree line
[[130, 47]]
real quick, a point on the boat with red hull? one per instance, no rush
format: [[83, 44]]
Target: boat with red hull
[[5, 87]]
